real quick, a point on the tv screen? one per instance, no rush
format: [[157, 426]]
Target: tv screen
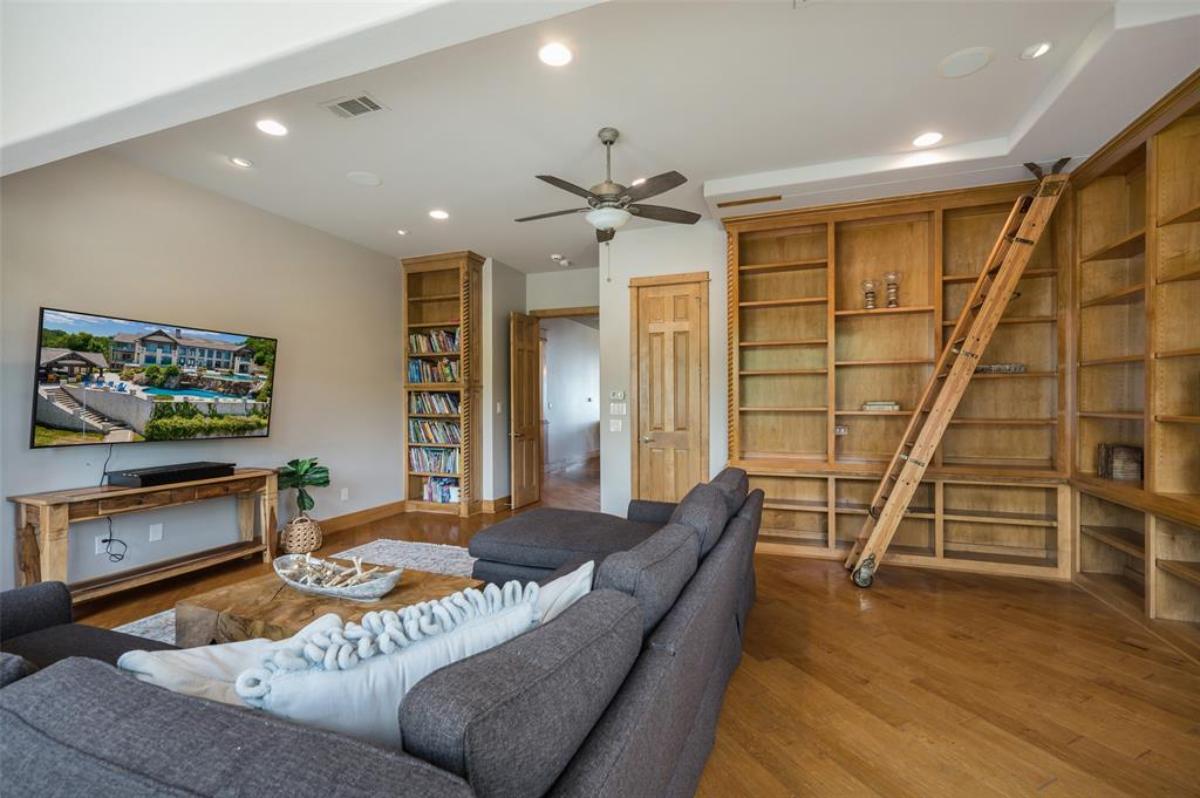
[[102, 379]]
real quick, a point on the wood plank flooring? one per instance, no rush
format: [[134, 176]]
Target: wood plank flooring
[[928, 684]]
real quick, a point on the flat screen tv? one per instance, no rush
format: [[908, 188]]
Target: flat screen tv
[[101, 379]]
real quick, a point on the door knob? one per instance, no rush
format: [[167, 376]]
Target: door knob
[[647, 439]]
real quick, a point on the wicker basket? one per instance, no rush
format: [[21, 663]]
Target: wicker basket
[[300, 535]]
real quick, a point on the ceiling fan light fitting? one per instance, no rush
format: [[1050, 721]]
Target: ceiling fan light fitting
[[608, 218]]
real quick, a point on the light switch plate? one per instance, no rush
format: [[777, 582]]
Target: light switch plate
[[615, 425], [617, 409], [155, 532]]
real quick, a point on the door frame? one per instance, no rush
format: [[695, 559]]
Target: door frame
[[512, 412], [634, 373]]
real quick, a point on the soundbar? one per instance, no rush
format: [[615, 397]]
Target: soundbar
[[168, 474]]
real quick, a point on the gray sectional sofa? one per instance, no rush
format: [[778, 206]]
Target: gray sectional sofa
[[618, 696]]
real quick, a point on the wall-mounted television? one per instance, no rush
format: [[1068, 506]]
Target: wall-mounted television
[[103, 379]]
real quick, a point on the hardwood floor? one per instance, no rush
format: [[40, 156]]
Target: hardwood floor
[[577, 487], [928, 684]]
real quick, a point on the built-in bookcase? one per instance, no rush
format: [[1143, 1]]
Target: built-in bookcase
[[809, 355], [441, 384]]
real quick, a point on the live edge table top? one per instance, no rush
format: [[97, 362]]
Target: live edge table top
[[266, 607]]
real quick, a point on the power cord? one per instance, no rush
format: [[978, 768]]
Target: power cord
[[110, 541]]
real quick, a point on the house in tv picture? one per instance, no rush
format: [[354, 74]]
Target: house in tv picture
[[160, 348]]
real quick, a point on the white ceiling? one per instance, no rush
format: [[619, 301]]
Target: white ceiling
[[715, 90]]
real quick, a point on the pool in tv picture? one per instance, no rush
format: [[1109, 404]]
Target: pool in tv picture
[[102, 379]]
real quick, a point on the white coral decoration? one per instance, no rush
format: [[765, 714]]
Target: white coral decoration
[[343, 647]]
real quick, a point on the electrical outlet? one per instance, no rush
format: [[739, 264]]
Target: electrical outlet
[[155, 532], [345, 494], [499, 409], [100, 543]]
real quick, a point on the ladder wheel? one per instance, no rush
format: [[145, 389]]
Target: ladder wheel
[[862, 578]]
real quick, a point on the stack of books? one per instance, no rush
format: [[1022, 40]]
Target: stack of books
[[434, 342], [434, 461], [440, 490], [439, 404], [425, 371], [422, 430]]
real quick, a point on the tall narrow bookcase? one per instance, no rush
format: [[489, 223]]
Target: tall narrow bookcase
[[1139, 368], [808, 360], [442, 388]]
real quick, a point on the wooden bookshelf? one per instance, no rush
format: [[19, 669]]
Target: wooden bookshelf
[[996, 497], [442, 386]]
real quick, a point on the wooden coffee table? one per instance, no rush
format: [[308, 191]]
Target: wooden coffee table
[[266, 607]]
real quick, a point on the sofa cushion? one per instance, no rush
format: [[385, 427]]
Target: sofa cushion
[[654, 571], [14, 667], [80, 727], [47, 646], [510, 720], [703, 509], [548, 537], [734, 485], [501, 572], [37, 606]]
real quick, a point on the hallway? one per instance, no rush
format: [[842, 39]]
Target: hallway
[[576, 487]]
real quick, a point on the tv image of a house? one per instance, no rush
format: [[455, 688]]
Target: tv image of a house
[[108, 380]]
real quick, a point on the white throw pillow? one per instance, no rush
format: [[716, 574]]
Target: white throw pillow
[[556, 596], [352, 677]]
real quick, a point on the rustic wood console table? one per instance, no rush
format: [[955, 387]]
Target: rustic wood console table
[[44, 519]]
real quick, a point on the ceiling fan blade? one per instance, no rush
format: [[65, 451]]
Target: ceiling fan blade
[[605, 235], [660, 213], [558, 182], [655, 185], [552, 213]]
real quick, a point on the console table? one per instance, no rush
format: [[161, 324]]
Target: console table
[[44, 520]]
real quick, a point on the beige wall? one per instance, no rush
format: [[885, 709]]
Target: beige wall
[[95, 234]]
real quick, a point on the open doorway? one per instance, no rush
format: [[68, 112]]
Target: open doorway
[[563, 468]]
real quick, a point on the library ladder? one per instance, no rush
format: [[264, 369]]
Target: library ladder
[[987, 302]]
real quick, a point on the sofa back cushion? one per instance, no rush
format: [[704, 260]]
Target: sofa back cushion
[[704, 510], [510, 720], [80, 727], [733, 485], [654, 572]]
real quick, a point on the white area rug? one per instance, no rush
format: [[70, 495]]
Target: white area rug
[[432, 557]]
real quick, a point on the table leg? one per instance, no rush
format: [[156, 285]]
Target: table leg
[[245, 514], [29, 560], [52, 532], [194, 625], [268, 500]]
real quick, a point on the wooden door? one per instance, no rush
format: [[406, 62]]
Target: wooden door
[[669, 396], [525, 401]]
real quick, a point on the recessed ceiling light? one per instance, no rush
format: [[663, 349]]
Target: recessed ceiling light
[[271, 127], [965, 62], [1035, 51], [564, 261], [638, 181], [244, 163], [439, 214], [555, 54], [401, 232], [927, 139], [364, 178], [556, 256]]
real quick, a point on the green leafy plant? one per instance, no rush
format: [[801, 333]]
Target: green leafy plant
[[301, 474]]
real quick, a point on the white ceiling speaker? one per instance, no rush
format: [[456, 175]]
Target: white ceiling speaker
[[965, 62]]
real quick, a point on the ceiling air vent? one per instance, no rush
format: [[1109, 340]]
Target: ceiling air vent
[[349, 107]]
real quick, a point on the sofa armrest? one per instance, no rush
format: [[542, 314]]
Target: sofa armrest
[[648, 512], [34, 607]]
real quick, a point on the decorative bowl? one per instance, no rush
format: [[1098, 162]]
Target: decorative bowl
[[379, 585]]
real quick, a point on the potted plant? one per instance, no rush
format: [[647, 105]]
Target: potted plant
[[302, 534]]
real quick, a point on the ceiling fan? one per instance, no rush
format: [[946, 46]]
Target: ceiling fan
[[610, 205]]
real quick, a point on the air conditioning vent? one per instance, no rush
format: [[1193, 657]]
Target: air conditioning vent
[[349, 107]]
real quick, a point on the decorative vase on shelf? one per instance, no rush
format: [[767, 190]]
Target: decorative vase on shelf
[[868, 287], [892, 282], [302, 534]]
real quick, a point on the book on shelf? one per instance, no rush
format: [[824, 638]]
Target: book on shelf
[[880, 405], [421, 430], [433, 403], [433, 342], [425, 371], [440, 490], [433, 460]]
